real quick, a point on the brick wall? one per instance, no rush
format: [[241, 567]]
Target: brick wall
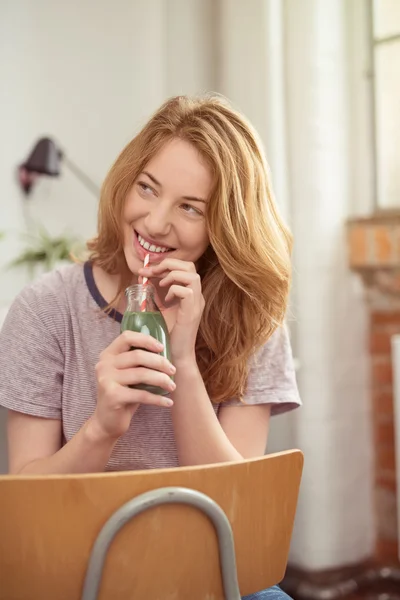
[[384, 324], [374, 252]]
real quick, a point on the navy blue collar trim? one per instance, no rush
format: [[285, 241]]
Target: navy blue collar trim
[[95, 292]]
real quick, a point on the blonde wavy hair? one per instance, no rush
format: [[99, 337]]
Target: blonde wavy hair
[[246, 270]]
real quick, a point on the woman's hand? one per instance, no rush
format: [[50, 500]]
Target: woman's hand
[[120, 367], [184, 285]]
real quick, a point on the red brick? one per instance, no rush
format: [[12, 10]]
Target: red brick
[[383, 317], [380, 342], [382, 372], [357, 242], [385, 458], [386, 479], [389, 327], [384, 433], [382, 402], [383, 245], [386, 551], [386, 514]]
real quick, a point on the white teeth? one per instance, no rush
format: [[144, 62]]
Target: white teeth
[[151, 247]]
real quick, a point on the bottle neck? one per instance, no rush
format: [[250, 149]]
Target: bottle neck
[[140, 298]]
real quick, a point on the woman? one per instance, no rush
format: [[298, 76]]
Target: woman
[[192, 190]]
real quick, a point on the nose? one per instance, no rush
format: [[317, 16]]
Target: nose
[[158, 221]]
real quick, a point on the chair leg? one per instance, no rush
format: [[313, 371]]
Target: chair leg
[[168, 495]]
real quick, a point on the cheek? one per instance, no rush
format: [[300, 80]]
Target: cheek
[[196, 241], [132, 206], [127, 218], [128, 208], [126, 232]]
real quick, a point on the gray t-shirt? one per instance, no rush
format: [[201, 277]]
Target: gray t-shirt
[[50, 343]]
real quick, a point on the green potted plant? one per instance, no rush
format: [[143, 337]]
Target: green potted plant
[[44, 252]]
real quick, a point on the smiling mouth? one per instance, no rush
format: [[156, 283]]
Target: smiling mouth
[[152, 247]]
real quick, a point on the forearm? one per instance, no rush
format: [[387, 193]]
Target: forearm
[[86, 452], [199, 436]]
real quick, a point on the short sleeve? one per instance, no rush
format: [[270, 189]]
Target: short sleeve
[[272, 377], [31, 359]]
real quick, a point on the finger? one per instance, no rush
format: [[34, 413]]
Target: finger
[[182, 277], [169, 264], [129, 339], [144, 376], [141, 358], [180, 292], [127, 395]]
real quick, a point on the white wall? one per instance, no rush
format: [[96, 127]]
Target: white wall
[[190, 59], [88, 78], [387, 95], [251, 74], [335, 514], [361, 141]]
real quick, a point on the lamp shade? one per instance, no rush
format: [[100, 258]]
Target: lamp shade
[[44, 159]]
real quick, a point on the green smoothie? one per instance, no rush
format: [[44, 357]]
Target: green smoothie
[[149, 323]]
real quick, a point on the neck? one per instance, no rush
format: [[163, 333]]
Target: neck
[[108, 286]]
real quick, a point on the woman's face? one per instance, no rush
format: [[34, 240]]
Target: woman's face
[[164, 214]]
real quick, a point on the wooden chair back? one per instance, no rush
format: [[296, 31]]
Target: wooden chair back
[[49, 524]]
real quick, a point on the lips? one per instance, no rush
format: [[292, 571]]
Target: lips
[[152, 246], [145, 246]]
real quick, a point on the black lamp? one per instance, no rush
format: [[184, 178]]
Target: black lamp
[[45, 159]]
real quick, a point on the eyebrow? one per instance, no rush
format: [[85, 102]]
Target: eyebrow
[[190, 198]]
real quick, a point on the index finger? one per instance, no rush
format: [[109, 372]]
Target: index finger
[[128, 339], [169, 264]]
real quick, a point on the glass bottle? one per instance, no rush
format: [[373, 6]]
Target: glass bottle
[[143, 315]]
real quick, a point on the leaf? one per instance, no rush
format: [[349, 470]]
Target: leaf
[[42, 248]]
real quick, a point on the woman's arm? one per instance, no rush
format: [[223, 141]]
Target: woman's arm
[[35, 447], [35, 443], [200, 437], [241, 432], [246, 427]]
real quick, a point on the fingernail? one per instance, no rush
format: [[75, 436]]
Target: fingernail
[[160, 345], [172, 369], [168, 402], [172, 385]]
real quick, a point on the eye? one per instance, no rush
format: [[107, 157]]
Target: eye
[[146, 189], [191, 210]]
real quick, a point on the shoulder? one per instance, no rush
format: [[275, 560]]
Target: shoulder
[[274, 360], [34, 342], [55, 282], [272, 376], [48, 297], [276, 352]]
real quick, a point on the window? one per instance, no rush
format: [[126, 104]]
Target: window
[[386, 59]]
